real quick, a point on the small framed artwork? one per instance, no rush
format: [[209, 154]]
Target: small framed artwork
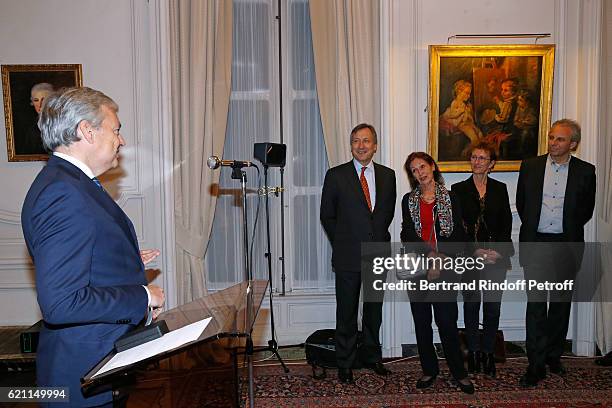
[[500, 94], [24, 88]]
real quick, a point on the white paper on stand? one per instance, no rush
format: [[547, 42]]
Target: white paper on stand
[[169, 341]]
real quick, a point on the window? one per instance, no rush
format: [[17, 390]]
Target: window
[[254, 117]]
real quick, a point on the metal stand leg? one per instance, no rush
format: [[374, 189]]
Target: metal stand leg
[[249, 356], [272, 344], [239, 174]]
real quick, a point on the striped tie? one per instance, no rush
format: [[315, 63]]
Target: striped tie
[[365, 188], [97, 182]]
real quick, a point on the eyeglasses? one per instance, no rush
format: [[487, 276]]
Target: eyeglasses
[[479, 158]]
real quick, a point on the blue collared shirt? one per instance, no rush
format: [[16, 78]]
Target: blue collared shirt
[[370, 178], [553, 197]]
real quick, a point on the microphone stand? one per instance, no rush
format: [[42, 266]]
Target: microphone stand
[[272, 344], [239, 174]]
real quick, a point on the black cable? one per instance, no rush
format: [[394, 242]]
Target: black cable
[[256, 218]]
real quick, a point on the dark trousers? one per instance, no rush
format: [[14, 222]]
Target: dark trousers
[[547, 322], [445, 315], [348, 287], [491, 309]]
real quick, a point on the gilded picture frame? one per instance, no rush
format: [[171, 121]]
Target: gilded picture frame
[[24, 88], [501, 94]]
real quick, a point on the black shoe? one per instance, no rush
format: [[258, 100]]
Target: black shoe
[[345, 375], [556, 367], [532, 377], [488, 364], [468, 387], [473, 361], [528, 380], [605, 361], [378, 368], [426, 381]]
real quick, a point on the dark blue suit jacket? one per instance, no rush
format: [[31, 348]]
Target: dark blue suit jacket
[[345, 215], [89, 274]]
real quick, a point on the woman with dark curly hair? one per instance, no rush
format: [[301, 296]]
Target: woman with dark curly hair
[[431, 225]]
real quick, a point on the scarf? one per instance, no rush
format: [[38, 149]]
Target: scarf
[[443, 209]]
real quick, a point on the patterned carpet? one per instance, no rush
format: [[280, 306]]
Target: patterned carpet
[[585, 385]]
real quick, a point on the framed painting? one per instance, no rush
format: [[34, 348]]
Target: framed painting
[[501, 94], [24, 88]]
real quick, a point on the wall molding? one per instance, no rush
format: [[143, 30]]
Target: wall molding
[[293, 324], [589, 72], [560, 36], [10, 217]]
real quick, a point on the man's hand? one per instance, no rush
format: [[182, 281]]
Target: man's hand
[[433, 274], [148, 255], [490, 256], [157, 296], [156, 312]]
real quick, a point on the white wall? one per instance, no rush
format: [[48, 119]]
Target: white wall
[[413, 26], [110, 39]]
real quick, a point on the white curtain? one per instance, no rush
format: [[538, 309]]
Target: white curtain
[[251, 119], [201, 41], [347, 55], [604, 174], [254, 117]]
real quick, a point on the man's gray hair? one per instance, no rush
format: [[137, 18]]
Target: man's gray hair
[[65, 109], [573, 126]]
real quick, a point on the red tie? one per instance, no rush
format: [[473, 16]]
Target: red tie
[[365, 188]]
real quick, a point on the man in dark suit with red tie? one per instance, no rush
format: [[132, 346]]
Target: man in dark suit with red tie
[[555, 198], [90, 277], [357, 206]]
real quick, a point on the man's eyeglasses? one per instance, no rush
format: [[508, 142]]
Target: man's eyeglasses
[[479, 158]]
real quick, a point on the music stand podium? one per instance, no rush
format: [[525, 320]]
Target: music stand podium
[[178, 378]]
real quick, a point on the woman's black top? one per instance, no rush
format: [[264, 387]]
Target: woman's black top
[[487, 221]]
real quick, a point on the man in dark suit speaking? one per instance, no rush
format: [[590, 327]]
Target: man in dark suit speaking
[[555, 198], [357, 206], [90, 277]]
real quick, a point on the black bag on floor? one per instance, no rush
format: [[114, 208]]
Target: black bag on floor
[[320, 349], [500, 344]]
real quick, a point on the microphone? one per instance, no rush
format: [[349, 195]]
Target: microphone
[[214, 162]]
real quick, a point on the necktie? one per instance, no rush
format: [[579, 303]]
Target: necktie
[[365, 188], [97, 182]]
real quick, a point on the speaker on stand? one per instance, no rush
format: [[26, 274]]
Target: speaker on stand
[[272, 155]]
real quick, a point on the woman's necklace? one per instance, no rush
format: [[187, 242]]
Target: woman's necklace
[[428, 197], [481, 186]]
